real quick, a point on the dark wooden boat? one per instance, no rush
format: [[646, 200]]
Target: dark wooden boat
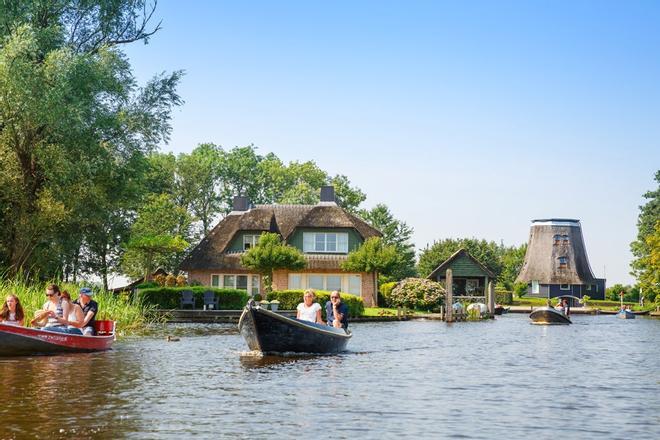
[[500, 309], [270, 332], [22, 341], [548, 316]]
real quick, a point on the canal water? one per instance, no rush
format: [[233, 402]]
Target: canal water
[[598, 378]]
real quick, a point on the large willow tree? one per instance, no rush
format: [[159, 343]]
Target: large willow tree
[[74, 130]]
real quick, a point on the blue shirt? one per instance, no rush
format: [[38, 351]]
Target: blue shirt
[[341, 308]]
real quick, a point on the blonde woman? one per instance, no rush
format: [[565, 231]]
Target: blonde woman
[[12, 311], [308, 310], [75, 319]]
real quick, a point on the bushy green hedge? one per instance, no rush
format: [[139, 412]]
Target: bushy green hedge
[[503, 296], [385, 290], [289, 300], [170, 297]]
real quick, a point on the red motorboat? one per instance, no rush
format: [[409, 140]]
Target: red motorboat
[[22, 341]]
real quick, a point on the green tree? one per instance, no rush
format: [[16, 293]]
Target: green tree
[[198, 177], [512, 259], [271, 254], [372, 256], [396, 233], [70, 110], [644, 266], [156, 238], [488, 253]]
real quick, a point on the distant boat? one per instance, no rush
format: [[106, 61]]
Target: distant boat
[[270, 332], [625, 314], [548, 316], [24, 341], [500, 309]]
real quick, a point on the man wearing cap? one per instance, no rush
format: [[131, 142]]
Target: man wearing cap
[[90, 308]]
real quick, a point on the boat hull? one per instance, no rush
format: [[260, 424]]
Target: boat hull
[[500, 310], [625, 314], [548, 316], [272, 333], [23, 341]]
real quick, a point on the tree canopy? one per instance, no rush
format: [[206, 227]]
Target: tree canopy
[[646, 265], [270, 254]]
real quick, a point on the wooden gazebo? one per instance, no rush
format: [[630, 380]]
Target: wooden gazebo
[[470, 276]]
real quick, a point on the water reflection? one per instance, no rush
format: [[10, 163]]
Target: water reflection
[[409, 379]]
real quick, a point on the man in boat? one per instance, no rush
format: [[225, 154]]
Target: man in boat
[[336, 312], [90, 308]]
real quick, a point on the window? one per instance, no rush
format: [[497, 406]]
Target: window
[[354, 284], [315, 282], [325, 242], [295, 281], [250, 240], [215, 280], [333, 282], [255, 285], [242, 282], [564, 287], [229, 281], [588, 286], [535, 286], [556, 239], [563, 262], [564, 238]]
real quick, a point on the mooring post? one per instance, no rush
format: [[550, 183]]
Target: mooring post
[[491, 298], [449, 281]]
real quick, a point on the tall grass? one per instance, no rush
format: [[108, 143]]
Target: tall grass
[[131, 314]]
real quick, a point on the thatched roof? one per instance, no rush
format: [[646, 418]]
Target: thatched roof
[[550, 240], [440, 270], [281, 219]]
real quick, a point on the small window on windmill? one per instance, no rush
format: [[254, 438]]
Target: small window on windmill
[[556, 239], [563, 262], [564, 239]]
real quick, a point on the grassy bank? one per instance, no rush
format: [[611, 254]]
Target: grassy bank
[[131, 315]]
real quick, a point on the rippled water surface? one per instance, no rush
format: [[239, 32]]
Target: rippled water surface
[[598, 378]]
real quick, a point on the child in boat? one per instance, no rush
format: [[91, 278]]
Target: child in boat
[[308, 310], [12, 311]]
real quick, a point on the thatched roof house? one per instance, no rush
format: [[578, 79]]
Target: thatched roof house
[[556, 262], [324, 232]]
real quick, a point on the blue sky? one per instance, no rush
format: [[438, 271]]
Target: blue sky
[[468, 119]]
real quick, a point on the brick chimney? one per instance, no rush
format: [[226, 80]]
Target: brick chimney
[[240, 204], [328, 195]]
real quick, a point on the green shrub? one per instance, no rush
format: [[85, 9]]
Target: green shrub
[[170, 297], [385, 290], [289, 300], [418, 293], [147, 285], [503, 296]]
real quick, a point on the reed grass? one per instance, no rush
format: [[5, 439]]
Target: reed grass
[[132, 316]]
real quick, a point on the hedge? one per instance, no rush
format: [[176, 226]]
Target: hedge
[[385, 289], [503, 296], [289, 300], [170, 297]]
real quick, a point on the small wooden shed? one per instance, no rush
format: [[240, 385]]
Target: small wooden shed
[[470, 276]]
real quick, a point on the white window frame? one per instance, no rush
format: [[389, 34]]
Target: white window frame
[[250, 283], [251, 239], [536, 287], [310, 240], [561, 287], [345, 281]]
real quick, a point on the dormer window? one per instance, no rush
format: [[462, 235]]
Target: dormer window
[[564, 238], [556, 239], [563, 262], [325, 242], [250, 241]]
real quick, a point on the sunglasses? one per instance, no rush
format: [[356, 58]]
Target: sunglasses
[[334, 297]]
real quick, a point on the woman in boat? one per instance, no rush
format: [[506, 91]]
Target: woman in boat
[[308, 310], [57, 310], [12, 311], [75, 318]]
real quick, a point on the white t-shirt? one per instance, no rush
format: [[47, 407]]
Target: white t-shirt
[[308, 313]]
